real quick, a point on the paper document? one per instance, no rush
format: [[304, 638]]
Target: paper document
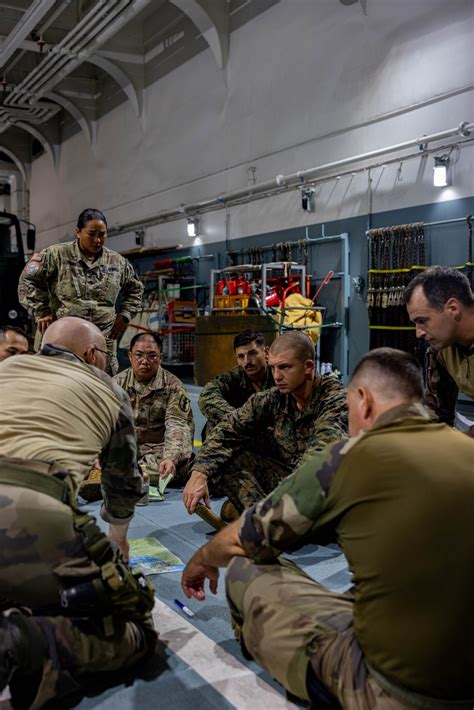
[[149, 556]]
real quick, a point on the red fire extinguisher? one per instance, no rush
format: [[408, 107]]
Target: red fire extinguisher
[[243, 287], [220, 286], [232, 285]]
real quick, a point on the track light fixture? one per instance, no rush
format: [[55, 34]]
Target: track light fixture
[[440, 171]]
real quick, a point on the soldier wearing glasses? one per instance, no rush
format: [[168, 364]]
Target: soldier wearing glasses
[[161, 408], [83, 278]]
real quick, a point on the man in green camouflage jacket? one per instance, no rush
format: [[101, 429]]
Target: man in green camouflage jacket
[[398, 502], [58, 412], [161, 409], [229, 391], [82, 278], [287, 423], [440, 302]]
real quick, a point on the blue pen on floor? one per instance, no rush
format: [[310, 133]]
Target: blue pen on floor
[[184, 608]]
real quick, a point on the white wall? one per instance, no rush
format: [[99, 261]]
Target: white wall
[[308, 82]]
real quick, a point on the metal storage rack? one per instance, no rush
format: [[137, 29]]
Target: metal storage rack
[[264, 269], [178, 337]]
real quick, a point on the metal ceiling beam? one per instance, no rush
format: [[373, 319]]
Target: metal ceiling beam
[[22, 29], [121, 78], [212, 20], [75, 112], [19, 164], [48, 147]]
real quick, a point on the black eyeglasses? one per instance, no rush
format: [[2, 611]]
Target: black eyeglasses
[[104, 352], [151, 357]]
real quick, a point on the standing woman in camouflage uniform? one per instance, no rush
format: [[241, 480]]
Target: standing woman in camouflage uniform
[[82, 278]]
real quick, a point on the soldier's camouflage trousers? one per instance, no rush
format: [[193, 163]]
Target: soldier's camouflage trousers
[[152, 456], [112, 362], [248, 478], [41, 554], [287, 620]]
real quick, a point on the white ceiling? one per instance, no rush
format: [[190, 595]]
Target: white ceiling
[[64, 63]]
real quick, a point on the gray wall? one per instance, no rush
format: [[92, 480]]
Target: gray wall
[[447, 245]]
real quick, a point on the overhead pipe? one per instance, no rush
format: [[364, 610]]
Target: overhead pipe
[[462, 129], [282, 182], [28, 86], [38, 115], [110, 30], [77, 41], [22, 29], [52, 18], [23, 89], [49, 73]]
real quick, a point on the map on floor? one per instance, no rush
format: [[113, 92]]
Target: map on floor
[[149, 556]]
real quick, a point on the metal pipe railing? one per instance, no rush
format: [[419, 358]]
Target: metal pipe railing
[[282, 182]]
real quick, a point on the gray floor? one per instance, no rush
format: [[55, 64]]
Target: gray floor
[[171, 680]]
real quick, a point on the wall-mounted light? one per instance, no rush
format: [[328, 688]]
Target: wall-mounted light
[[193, 225], [307, 199], [440, 171]]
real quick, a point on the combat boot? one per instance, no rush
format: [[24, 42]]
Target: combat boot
[[90, 488], [22, 648]]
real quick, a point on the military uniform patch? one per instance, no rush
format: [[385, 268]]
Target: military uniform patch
[[184, 403], [34, 264], [39, 256], [32, 267]]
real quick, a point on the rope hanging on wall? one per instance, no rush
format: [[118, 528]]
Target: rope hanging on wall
[[396, 253]]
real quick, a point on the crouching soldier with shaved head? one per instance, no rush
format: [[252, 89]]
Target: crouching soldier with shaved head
[[250, 451], [58, 412], [398, 498]]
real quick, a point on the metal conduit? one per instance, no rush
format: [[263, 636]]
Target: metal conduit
[[73, 41], [64, 63], [54, 15], [115, 14], [112, 28], [28, 22], [106, 10], [17, 95], [284, 182], [463, 129]]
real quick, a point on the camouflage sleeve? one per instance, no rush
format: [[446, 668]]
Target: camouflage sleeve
[[441, 391], [33, 292], [213, 401], [132, 292], [236, 430], [284, 520], [331, 421], [179, 428], [121, 479]]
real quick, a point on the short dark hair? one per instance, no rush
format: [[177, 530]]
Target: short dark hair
[[88, 214], [394, 371], [439, 284], [150, 334], [5, 328], [249, 336], [298, 342]]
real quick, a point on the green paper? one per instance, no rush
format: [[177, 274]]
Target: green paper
[[157, 493], [154, 494], [149, 556], [163, 482]]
